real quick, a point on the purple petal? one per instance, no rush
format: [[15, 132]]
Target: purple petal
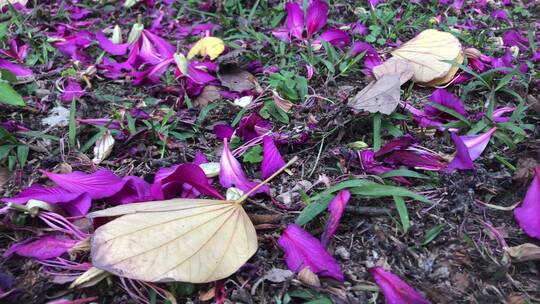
[[109, 46], [281, 34], [152, 74], [336, 37], [232, 175], [303, 250], [514, 38], [15, 69], [446, 99], [164, 48], [360, 29], [223, 131], [75, 204], [198, 72], [360, 47], [498, 114], [477, 143], [462, 160], [272, 160], [295, 19], [416, 158], [396, 144], [317, 15], [336, 209], [252, 126], [72, 90], [367, 160], [100, 184], [168, 182], [135, 190], [47, 247], [528, 213], [500, 15], [395, 290]]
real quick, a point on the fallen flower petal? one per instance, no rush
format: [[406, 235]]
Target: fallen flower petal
[[527, 213], [44, 248], [336, 208], [135, 190], [168, 182], [302, 250], [72, 90], [272, 160], [15, 69], [295, 19], [231, 173], [336, 37], [316, 17], [468, 149], [100, 184], [395, 290], [76, 204], [110, 47]]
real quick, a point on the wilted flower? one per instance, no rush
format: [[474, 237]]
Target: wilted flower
[[336, 208], [468, 149], [395, 290], [527, 213]]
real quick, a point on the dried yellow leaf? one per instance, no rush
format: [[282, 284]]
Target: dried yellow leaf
[[207, 46], [427, 52], [188, 240], [449, 75], [89, 278]]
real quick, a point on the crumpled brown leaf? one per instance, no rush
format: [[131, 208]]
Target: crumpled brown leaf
[[238, 81], [379, 96], [523, 252], [209, 94]]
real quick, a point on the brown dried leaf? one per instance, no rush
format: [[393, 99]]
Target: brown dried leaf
[[208, 95], [238, 81], [525, 169], [395, 66], [4, 176], [524, 252], [188, 240], [379, 96]]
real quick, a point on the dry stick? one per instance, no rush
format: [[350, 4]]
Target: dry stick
[[250, 192]]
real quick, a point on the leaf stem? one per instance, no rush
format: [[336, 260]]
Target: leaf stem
[[250, 192]]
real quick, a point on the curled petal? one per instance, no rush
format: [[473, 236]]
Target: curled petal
[[317, 15], [47, 247], [396, 144], [281, 34], [109, 46], [514, 38], [231, 173], [477, 143], [395, 290], [169, 182], [336, 209], [72, 90], [302, 250], [468, 149], [446, 99], [272, 160], [100, 184], [528, 213]]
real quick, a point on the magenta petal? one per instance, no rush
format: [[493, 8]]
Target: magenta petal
[[72, 90], [76, 204], [198, 73], [336, 209], [303, 250], [336, 37], [528, 214], [15, 69], [281, 34], [223, 131], [109, 46], [317, 15], [272, 160], [462, 160], [514, 38], [396, 144], [135, 190], [395, 290], [295, 19], [44, 248], [100, 184], [164, 48], [168, 182], [232, 175], [477, 143], [447, 100]]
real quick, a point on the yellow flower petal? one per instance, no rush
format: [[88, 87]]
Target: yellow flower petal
[[207, 46]]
